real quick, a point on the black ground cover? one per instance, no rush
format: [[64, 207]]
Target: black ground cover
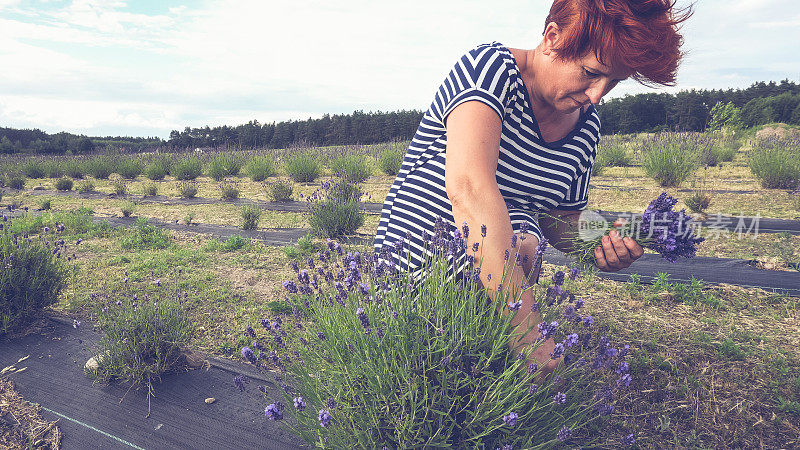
[[92, 415]]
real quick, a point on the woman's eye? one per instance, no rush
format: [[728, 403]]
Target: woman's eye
[[589, 74]]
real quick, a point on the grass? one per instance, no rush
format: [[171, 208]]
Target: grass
[[715, 366]]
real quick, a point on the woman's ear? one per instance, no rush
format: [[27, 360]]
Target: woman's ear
[[552, 34]]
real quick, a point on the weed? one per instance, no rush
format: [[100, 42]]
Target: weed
[[251, 215], [698, 201], [44, 204], [232, 244], [144, 236], [731, 350], [304, 248], [302, 168], [188, 219], [64, 184]]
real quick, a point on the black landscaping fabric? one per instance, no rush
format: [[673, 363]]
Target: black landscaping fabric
[[179, 416]]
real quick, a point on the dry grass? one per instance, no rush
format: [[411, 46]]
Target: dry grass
[[21, 423]]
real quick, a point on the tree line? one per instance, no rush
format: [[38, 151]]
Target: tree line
[[685, 111]]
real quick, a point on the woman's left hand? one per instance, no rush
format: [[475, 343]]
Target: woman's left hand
[[616, 253]]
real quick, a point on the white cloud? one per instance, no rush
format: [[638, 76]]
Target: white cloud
[[93, 65]]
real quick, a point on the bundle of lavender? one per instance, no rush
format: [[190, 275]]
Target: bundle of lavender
[[670, 233]]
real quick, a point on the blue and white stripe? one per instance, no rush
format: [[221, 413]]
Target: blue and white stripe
[[532, 175]]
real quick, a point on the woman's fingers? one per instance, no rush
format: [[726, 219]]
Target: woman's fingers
[[616, 253]]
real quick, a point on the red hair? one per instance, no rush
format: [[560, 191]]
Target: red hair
[[640, 35]]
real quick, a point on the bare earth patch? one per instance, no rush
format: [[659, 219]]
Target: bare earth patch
[[21, 423]]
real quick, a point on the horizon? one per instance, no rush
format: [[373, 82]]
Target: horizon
[[146, 68]]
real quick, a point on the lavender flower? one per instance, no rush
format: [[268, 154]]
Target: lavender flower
[[571, 340], [564, 434], [274, 411], [514, 306], [511, 419], [247, 353], [324, 418], [321, 336], [532, 389], [629, 440], [362, 316], [240, 381], [558, 351], [532, 367], [483, 230], [558, 278], [299, 403], [587, 321], [444, 361], [625, 380], [574, 272], [560, 398]]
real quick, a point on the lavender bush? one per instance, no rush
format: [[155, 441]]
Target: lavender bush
[[669, 158], [32, 273], [335, 208], [380, 359]]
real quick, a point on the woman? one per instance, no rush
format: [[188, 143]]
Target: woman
[[512, 133]]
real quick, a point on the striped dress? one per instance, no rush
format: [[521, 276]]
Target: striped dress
[[533, 175]]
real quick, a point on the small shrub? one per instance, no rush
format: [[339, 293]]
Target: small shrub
[[150, 190], [129, 168], [259, 168], [33, 169], [229, 190], [187, 168], [145, 236], [188, 219], [187, 189], [390, 161], [612, 152], [99, 167], [305, 247], [64, 184], [155, 170], [352, 168], [142, 340], [336, 209], [280, 191], [251, 215], [85, 186], [32, 277], [698, 201], [16, 181], [669, 158], [74, 169], [224, 165], [234, 243], [53, 169], [120, 186], [45, 204], [127, 209], [302, 168], [776, 163]]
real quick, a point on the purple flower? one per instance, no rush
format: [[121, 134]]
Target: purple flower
[[558, 351], [629, 440], [379, 332], [330, 403], [574, 272], [324, 418], [564, 434], [511, 419], [513, 241], [321, 336], [532, 367], [76, 323], [250, 332], [299, 403], [274, 411], [578, 304], [514, 306], [362, 316], [532, 389], [483, 230], [540, 249], [240, 381], [587, 321], [558, 278], [560, 398], [668, 232], [290, 286], [625, 380], [247, 353], [444, 361], [475, 247], [571, 340]]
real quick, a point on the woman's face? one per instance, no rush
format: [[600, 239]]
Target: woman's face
[[571, 85], [567, 85]]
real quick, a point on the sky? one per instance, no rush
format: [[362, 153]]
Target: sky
[[147, 67]]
